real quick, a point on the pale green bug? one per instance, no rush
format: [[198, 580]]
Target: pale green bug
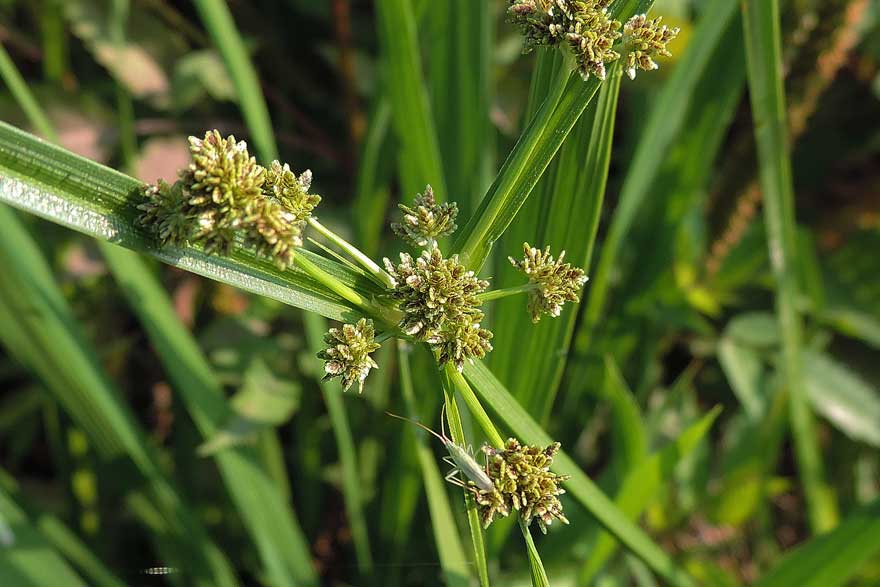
[[459, 457]]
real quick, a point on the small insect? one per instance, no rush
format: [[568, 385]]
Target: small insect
[[460, 458], [159, 571]]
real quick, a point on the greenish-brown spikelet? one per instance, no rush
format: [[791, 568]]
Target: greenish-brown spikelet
[[290, 190], [273, 232], [439, 298], [523, 482], [646, 40], [347, 354], [554, 281], [425, 221], [165, 212]]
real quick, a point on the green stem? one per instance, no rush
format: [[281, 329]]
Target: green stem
[[456, 430], [20, 91], [539, 575], [473, 404], [371, 266], [497, 294]]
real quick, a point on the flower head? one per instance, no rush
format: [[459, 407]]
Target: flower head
[[165, 210], [222, 172], [348, 353], [272, 231], [425, 221], [291, 191], [555, 282], [523, 482], [646, 40], [439, 300]]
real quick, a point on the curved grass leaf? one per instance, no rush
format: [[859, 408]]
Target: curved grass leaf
[[420, 160], [568, 98], [580, 487], [764, 66], [28, 560], [832, 559], [41, 332], [267, 516], [55, 184]]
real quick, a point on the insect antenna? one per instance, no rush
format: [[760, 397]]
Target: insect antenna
[[442, 438]]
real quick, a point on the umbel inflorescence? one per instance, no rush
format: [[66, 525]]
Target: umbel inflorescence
[[523, 482], [592, 35], [224, 199]]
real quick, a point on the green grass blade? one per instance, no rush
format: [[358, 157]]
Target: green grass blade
[[628, 429], [221, 26], [58, 352], [72, 191], [28, 559], [60, 537], [22, 94], [545, 134], [640, 487], [420, 159], [832, 559], [764, 66], [661, 130], [372, 191], [449, 547], [261, 504], [316, 326], [461, 76], [580, 487]]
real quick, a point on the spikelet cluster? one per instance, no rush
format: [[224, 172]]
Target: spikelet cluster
[[425, 221], [439, 300], [348, 351], [646, 40], [555, 282], [591, 33], [223, 194], [523, 483]]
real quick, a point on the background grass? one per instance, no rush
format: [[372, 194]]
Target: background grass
[[150, 417]]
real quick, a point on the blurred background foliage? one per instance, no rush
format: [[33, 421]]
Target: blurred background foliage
[[687, 324]]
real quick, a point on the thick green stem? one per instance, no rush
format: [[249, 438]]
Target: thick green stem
[[473, 404], [355, 253]]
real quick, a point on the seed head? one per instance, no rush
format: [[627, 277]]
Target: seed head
[[457, 342], [348, 353], [273, 231], [291, 191], [439, 300], [165, 211], [222, 172], [555, 282], [426, 221], [523, 482], [646, 40]]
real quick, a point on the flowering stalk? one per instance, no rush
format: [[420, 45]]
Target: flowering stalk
[[355, 253], [497, 294]]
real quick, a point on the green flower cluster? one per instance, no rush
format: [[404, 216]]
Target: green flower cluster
[[647, 40], [554, 282], [589, 31], [348, 353], [523, 482], [439, 299], [224, 193], [425, 221]]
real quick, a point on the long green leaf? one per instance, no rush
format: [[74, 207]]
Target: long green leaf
[[316, 326], [261, 504], [60, 537], [764, 65], [67, 189], [667, 119], [28, 560], [449, 547], [420, 159], [832, 559], [532, 154], [641, 485], [579, 486], [48, 340], [218, 20]]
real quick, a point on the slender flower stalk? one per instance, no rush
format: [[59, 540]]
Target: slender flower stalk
[[355, 253], [497, 294]]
